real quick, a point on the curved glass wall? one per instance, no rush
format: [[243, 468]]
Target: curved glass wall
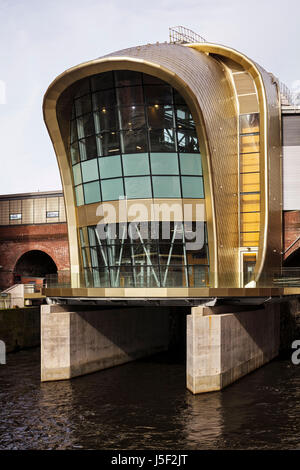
[[145, 255], [132, 135]]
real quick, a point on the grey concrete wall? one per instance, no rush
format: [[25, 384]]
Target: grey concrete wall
[[222, 347], [20, 328], [79, 342]]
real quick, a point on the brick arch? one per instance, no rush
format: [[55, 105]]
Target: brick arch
[[15, 241], [34, 254]]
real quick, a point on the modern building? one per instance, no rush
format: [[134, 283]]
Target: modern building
[[170, 156]]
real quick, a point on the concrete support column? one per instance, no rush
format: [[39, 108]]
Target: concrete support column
[[79, 341], [222, 347]]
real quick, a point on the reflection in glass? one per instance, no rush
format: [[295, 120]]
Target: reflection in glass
[[103, 99], [109, 143], [187, 141], [249, 123], [160, 116], [158, 94], [134, 141], [130, 96], [105, 120], [102, 81], [132, 117], [162, 140]]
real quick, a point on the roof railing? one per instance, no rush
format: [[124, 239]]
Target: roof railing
[[182, 35], [289, 98]]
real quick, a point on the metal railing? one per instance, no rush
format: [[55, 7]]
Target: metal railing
[[182, 35], [178, 276], [289, 98]]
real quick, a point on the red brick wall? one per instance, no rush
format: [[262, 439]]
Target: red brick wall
[[15, 240], [291, 232]]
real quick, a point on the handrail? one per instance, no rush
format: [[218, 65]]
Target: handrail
[[182, 35]]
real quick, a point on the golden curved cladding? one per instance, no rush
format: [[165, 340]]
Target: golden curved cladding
[[201, 80], [143, 210], [270, 239]]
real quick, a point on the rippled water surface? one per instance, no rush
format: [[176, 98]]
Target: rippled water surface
[[144, 405]]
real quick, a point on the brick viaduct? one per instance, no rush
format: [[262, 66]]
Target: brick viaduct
[[17, 240]]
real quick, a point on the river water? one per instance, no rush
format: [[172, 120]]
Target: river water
[[144, 405]]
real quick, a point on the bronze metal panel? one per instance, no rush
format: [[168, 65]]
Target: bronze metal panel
[[269, 258]]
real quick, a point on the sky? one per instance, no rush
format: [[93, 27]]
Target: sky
[[40, 39]]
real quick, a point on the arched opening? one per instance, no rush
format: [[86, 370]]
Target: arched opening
[[34, 264]]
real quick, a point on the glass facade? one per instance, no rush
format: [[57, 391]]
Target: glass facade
[[249, 180], [132, 135], [145, 255]]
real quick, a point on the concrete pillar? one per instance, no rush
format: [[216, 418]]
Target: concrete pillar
[[80, 341], [222, 347]]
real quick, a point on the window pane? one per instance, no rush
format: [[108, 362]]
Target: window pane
[[190, 164], [132, 117], [87, 148], [171, 253], [74, 150], [250, 202], [105, 120], [136, 164], [73, 131], [249, 123], [79, 195], [184, 118], [187, 141], [82, 87], [139, 187], [160, 116], [103, 99], [161, 94], [77, 174], [83, 105], [249, 143], [166, 186], [130, 96], [178, 99], [89, 170], [112, 189], [162, 140], [92, 192], [85, 126], [134, 141], [249, 162], [164, 163], [150, 80], [102, 81], [110, 143], [249, 182], [142, 253], [127, 78], [110, 166], [192, 187]]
